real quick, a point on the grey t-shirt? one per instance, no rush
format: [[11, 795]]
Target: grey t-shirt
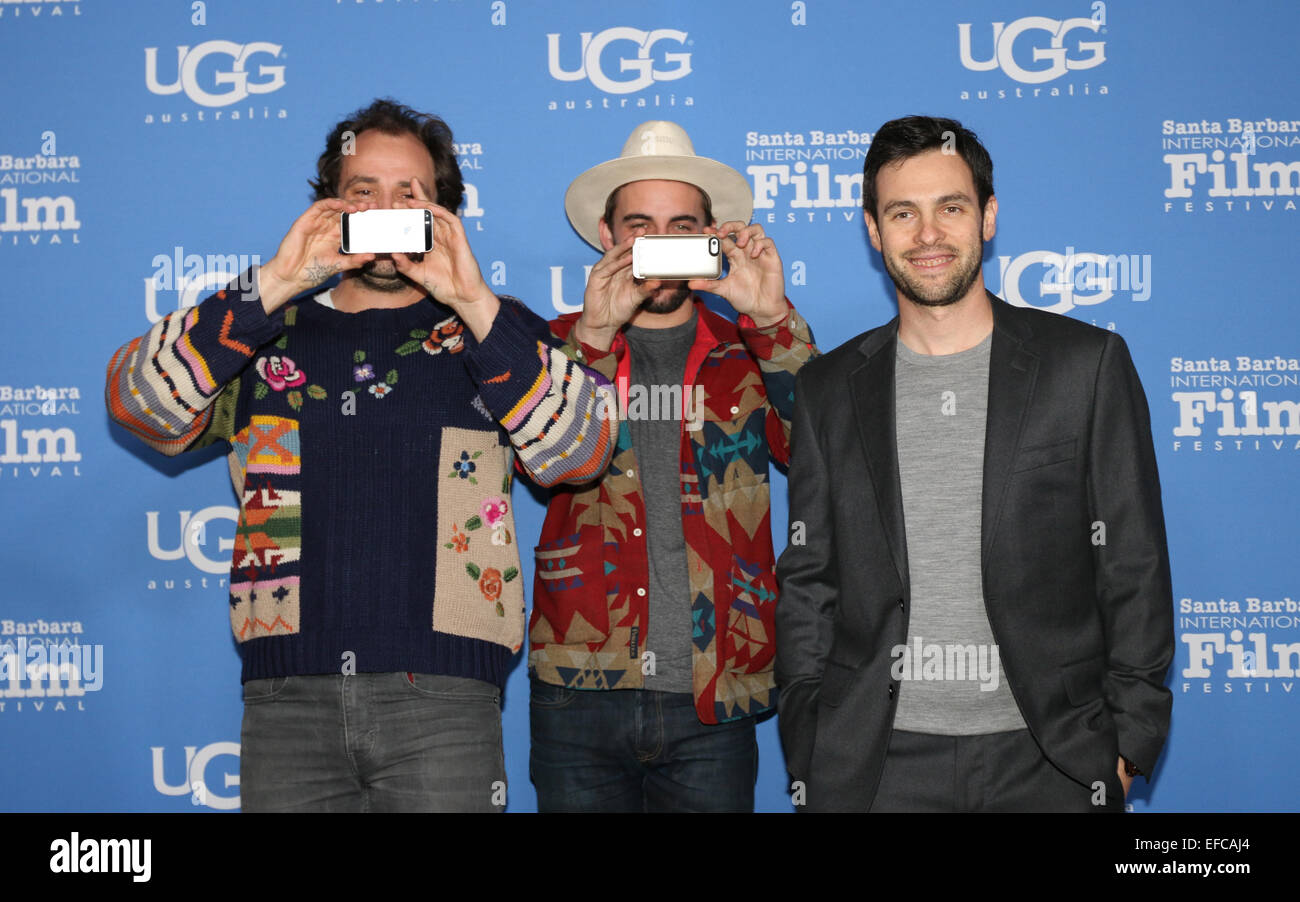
[[953, 682], [658, 367]]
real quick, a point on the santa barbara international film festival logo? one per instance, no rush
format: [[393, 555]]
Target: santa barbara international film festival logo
[[807, 176], [35, 440], [197, 782], [37, 206], [469, 157], [1244, 647], [36, 10], [45, 667], [620, 61], [1233, 166], [213, 77], [1237, 402], [1033, 52], [203, 540]]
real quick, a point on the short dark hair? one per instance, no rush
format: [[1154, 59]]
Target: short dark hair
[[392, 118], [901, 139], [612, 201]]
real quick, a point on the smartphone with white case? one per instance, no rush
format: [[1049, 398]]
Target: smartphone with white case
[[386, 232], [677, 257]]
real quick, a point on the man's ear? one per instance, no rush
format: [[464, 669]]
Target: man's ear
[[872, 231], [990, 218], [606, 236]]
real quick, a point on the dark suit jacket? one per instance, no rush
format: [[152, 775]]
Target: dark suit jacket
[[1084, 629]]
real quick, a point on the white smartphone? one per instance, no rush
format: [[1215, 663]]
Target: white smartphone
[[386, 232], [676, 257]]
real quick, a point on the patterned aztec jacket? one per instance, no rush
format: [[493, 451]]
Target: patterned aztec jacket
[[372, 455], [590, 608]]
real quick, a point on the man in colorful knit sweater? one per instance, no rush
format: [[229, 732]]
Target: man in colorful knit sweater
[[658, 578], [375, 593]]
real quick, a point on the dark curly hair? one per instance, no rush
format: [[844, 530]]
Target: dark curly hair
[[392, 118]]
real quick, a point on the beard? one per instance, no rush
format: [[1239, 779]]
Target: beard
[[381, 274], [666, 299], [942, 293]]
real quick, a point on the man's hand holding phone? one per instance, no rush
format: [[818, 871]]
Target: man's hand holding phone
[[449, 271], [612, 296], [309, 254], [755, 281]]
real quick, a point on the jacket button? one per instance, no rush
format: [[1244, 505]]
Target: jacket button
[[641, 591], [891, 691], [636, 531], [900, 605]]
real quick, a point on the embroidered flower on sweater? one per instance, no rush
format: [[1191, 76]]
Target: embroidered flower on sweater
[[459, 540], [379, 389], [465, 467], [448, 336], [494, 510], [280, 372], [490, 584], [363, 372]]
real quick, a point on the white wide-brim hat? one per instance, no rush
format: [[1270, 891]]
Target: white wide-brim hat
[[656, 150]]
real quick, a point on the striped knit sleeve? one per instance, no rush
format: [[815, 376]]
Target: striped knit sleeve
[[162, 386], [561, 417]]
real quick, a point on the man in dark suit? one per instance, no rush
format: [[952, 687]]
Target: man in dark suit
[[975, 611]]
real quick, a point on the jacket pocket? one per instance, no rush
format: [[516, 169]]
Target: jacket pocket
[[1044, 455], [570, 589], [479, 592], [836, 682], [730, 406], [264, 690], [1082, 681]]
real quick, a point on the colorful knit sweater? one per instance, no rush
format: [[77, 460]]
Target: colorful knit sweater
[[372, 454], [590, 609]]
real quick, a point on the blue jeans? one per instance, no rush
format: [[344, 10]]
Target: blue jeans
[[371, 742], [636, 750]]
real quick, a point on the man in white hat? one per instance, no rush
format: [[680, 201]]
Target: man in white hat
[[658, 578]]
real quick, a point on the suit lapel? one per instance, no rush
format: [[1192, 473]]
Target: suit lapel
[[1012, 372], [872, 388]]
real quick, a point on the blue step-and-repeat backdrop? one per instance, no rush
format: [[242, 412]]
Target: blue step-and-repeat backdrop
[[1147, 162]]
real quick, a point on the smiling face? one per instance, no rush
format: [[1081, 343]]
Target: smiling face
[[380, 173], [930, 231], [657, 207]]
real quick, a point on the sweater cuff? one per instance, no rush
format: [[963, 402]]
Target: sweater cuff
[[251, 323], [506, 365], [745, 321], [603, 362], [788, 332]]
